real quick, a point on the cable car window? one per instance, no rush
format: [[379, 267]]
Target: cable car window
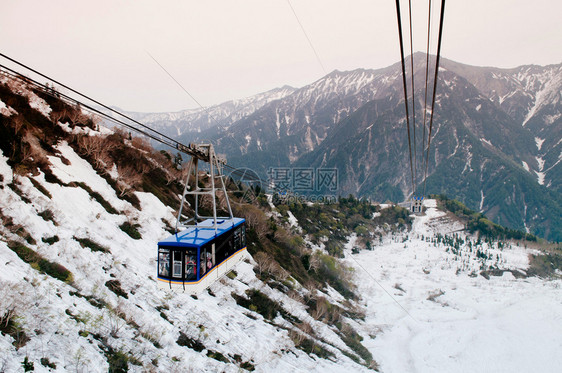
[[243, 235], [229, 248], [164, 262], [176, 271], [220, 252], [208, 261], [223, 248], [190, 264], [237, 238], [213, 257], [203, 261]]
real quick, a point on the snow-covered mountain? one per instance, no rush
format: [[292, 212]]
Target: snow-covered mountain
[[182, 123], [111, 314], [288, 128], [475, 154], [492, 128], [532, 96], [288, 122]]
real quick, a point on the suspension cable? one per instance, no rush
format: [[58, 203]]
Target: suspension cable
[[307, 38], [349, 117], [426, 81], [91, 109], [73, 101], [92, 100], [414, 190], [434, 89], [405, 88]]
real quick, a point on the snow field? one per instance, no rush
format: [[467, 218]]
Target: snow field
[[437, 320]]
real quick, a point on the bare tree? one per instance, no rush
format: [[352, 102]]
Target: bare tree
[[115, 322], [321, 308], [170, 176], [18, 122], [314, 262], [170, 173], [99, 148], [306, 328], [109, 144], [76, 116], [143, 167], [91, 145], [264, 261], [297, 337], [96, 120], [56, 116], [160, 159], [295, 295], [127, 179], [26, 151], [255, 218], [141, 144], [13, 301]]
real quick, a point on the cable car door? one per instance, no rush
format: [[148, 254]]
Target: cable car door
[[177, 263]]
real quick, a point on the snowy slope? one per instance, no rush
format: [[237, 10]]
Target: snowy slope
[[435, 319], [62, 324]]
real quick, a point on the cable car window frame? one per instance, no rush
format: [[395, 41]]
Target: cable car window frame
[[177, 264], [201, 261], [237, 239], [163, 259], [190, 273], [223, 248]]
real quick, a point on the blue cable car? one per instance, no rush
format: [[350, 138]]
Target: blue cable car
[[417, 205], [191, 260]]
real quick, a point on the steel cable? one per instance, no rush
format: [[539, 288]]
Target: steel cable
[[434, 90], [405, 88]]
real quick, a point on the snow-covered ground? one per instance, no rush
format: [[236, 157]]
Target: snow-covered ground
[[64, 326], [423, 316]]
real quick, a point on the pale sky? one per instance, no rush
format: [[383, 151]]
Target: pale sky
[[225, 49]]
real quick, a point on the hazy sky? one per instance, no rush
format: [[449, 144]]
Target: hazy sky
[[225, 49]]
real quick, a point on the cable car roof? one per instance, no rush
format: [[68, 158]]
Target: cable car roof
[[200, 235]]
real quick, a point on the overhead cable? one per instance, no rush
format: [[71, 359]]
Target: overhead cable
[[405, 89], [425, 94], [434, 89]]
